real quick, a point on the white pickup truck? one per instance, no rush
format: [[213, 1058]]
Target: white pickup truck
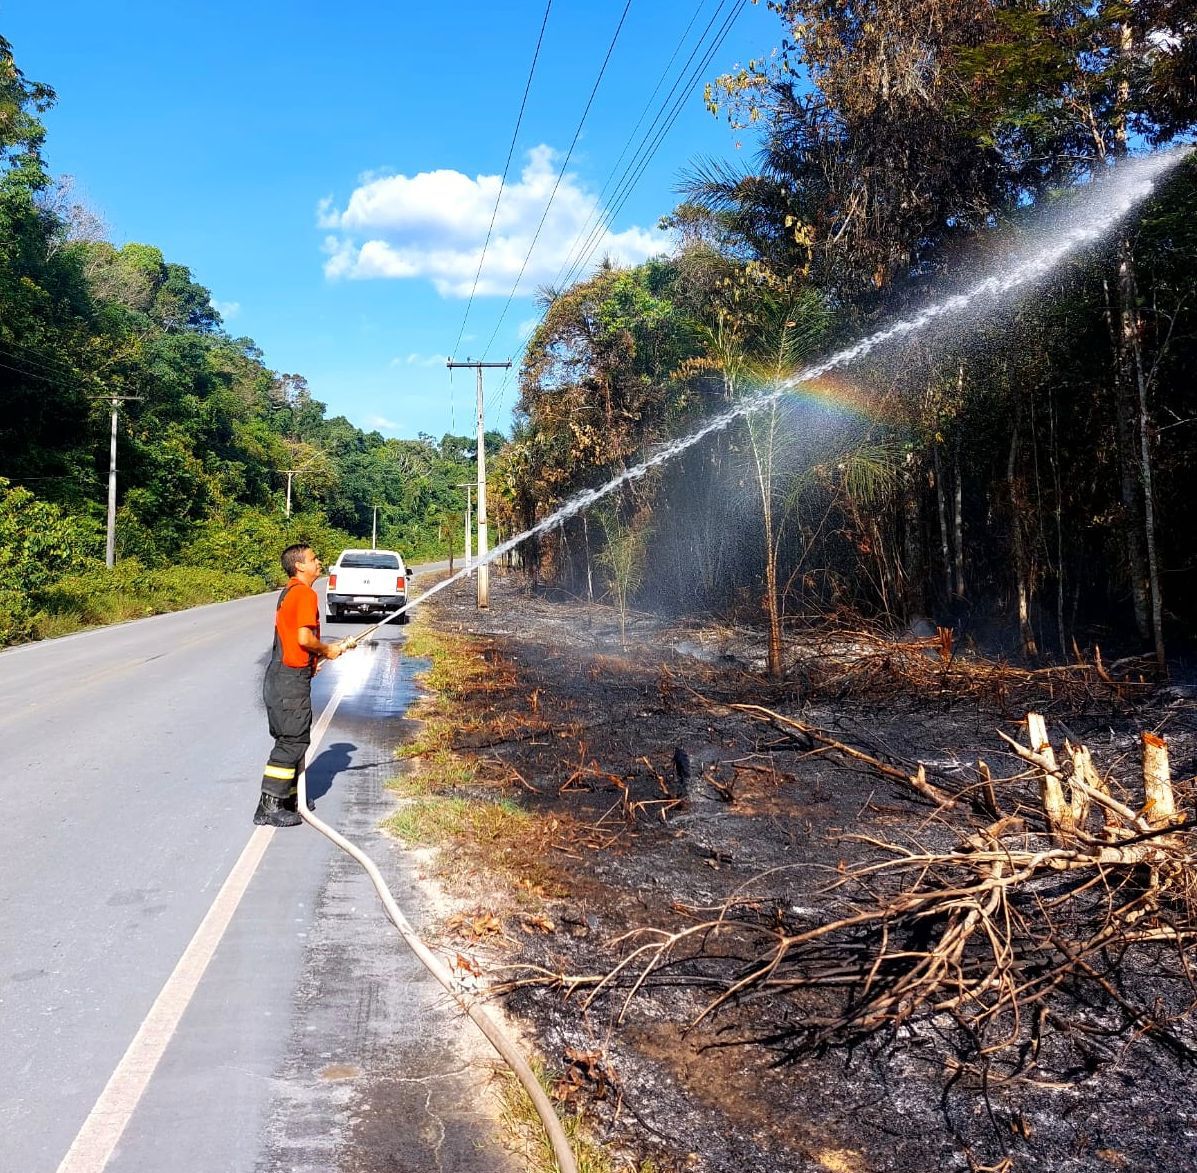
[[367, 581]]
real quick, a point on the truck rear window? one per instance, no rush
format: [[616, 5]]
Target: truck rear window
[[370, 562]]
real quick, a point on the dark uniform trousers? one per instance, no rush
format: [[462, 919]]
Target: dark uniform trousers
[[287, 692], [288, 695]]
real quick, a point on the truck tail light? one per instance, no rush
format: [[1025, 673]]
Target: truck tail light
[[400, 583], [332, 582]]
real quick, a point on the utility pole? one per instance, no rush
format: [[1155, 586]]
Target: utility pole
[[293, 472], [483, 580], [110, 542], [374, 530], [469, 519]]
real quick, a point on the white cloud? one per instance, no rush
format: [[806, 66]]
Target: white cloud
[[432, 225], [420, 360], [227, 309], [381, 423]]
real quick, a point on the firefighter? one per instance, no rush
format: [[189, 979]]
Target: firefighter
[[287, 688]]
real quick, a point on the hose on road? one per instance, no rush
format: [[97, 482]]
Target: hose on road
[[509, 1052]]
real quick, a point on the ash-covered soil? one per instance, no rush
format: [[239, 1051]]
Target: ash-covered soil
[[654, 802]]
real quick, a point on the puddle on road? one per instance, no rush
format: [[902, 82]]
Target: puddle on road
[[380, 679], [338, 1071]]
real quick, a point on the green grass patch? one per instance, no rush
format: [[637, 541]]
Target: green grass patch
[[131, 591], [454, 666], [431, 820], [440, 770]]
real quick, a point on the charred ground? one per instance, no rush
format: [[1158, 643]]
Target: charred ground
[[655, 805]]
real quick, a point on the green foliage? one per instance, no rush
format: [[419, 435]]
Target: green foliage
[[206, 432], [16, 617], [249, 542], [39, 541], [623, 556], [132, 591]]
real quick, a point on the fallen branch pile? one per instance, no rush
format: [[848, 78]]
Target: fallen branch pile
[[1039, 939], [876, 666]]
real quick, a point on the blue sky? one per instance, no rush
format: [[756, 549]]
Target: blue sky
[[330, 171]]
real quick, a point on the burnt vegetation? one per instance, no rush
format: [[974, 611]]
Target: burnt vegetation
[[886, 895], [876, 859]]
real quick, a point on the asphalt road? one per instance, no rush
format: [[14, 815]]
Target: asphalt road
[[313, 1041]]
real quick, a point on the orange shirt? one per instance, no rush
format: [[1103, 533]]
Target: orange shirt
[[301, 608]]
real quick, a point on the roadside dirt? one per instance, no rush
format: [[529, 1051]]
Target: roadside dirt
[[653, 801]]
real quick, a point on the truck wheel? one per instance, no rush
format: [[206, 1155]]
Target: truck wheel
[[405, 617], [334, 614]]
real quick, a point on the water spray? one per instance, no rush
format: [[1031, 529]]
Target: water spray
[[1112, 198]]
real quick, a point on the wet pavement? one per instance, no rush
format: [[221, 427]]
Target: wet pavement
[[382, 1071]]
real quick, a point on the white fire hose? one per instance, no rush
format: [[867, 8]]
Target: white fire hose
[[509, 1052]]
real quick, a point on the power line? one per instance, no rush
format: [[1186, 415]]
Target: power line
[[649, 145], [561, 174], [503, 181], [646, 149], [31, 374], [17, 353], [644, 155], [597, 213], [516, 360], [639, 121]]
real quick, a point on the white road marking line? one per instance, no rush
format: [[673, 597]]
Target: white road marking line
[[93, 1147]]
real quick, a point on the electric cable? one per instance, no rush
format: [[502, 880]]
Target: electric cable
[[495, 412], [591, 220], [560, 175], [597, 215], [19, 351], [55, 382], [503, 180], [647, 150]]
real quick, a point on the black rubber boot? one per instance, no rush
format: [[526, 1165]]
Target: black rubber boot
[[272, 813], [291, 803]]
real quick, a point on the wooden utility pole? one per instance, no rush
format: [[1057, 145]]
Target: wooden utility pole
[[469, 518], [110, 543], [483, 580]]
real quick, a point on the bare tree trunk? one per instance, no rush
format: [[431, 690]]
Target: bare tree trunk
[[1146, 475], [775, 665], [1125, 335], [943, 523], [586, 546], [1128, 477], [913, 588], [883, 572], [1025, 631], [764, 476], [958, 519], [1058, 492]]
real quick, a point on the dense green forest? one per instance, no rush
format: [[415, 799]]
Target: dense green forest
[[208, 435], [1025, 476]]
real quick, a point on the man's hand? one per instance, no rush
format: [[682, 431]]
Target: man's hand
[[333, 650]]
